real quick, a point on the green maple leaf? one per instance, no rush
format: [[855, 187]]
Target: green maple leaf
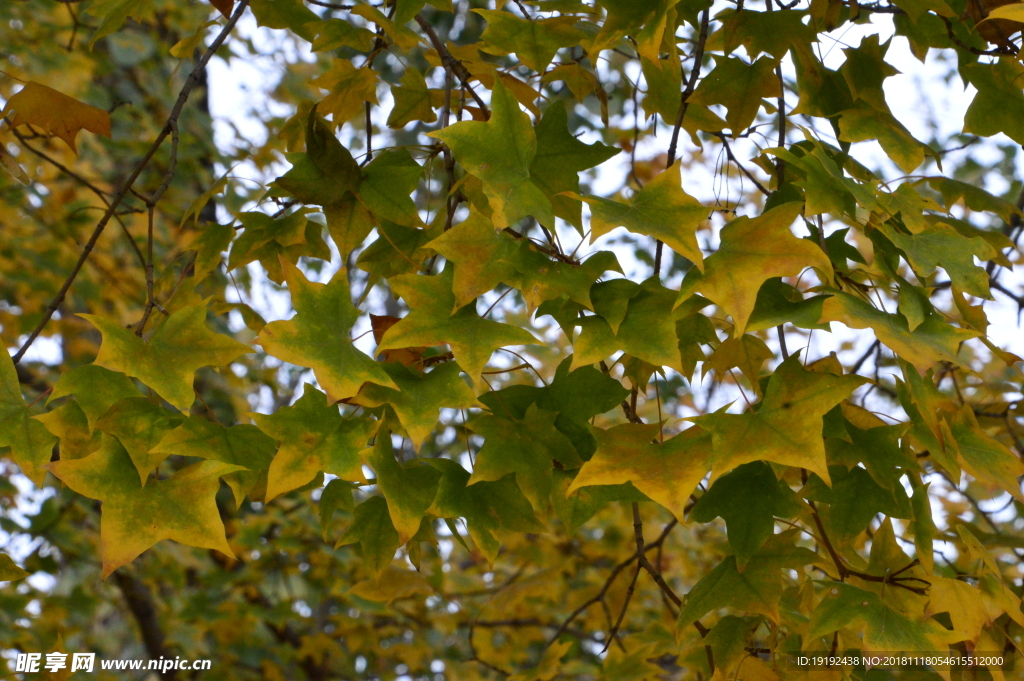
[[135, 518], [318, 336], [409, 489], [489, 508], [854, 499], [169, 359], [748, 498], [885, 628], [758, 32], [647, 329], [580, 505], [95, 389], [535, 41], [576, 395], [756, 590], [942, 246], [500, 153], [877, 448], [242, 445], [414, 101], [931, 341], [661, 210], [387, 183], [326, 173], [139, 425], [786, 428], [420, 397], [30, 442], [314, 437], [276, 240], [528, 447], [778, 303], [559, 160], [667, 473], [739, 87], [430, 322], [372, 530], [753, 251], [999, 105]]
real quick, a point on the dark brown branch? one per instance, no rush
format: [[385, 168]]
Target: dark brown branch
[[140, 601], [169, 127], [457, 67]]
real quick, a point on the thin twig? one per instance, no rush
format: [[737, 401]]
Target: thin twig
[[691, 85]]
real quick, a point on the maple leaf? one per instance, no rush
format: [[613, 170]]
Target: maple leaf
[[500, 153], [786, 428], [739, 87], [756, 590], [318, 336], [528, 447], [931, 341], [559, 159], [490, 508], [69, 423], [95, 389], [666, 472], [409, 489], [30, 442], [54, 112], [182, 507], [139, 425], [430, 322], [314, 437], [169, 359], [753, 251], [420, 396], [984, 457], [885, 628], [534, 41], [661, 210], [372, 530], [747, 353], [413, 101], [242, 445], [748, 498]]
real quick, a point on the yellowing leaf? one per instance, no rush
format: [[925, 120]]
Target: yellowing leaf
[[535, 42], [55, 113], [964, 604], [349, 89], [984, 457], [931, 341], [471, 338], [314, 437], [318, 336], [419, 397], [753, 251], [667, 473], [786, 428], [661, 210], [413, 101], [169, 359], [500, 153], [182, 507], [139, 425]]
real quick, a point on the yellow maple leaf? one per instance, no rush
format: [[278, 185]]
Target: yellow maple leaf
[[56, 113]]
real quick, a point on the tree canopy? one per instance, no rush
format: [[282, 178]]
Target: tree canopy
[[540, 340]]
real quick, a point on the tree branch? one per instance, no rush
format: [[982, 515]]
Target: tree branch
[[451, 62], [169, 127], [140, 601]]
